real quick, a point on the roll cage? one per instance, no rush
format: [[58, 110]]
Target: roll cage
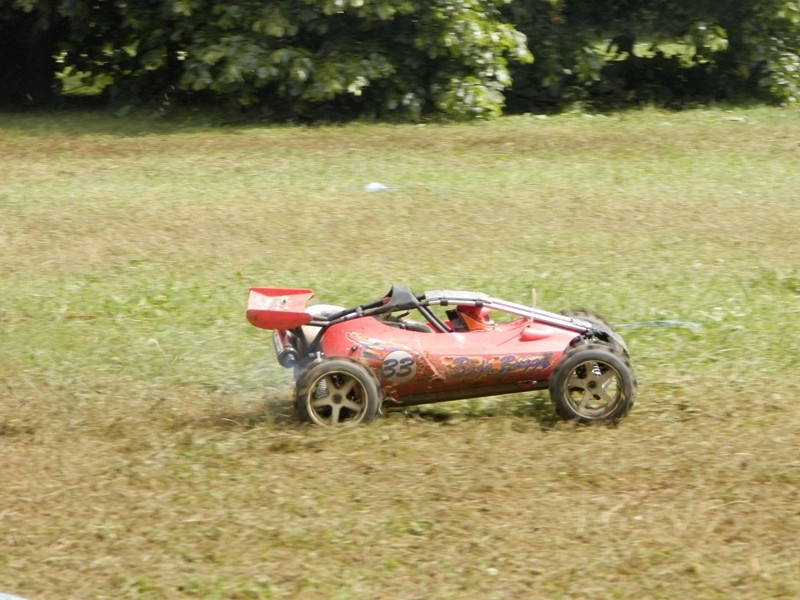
[[402, 298]]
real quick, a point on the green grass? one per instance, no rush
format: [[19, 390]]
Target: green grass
[[147, 445]]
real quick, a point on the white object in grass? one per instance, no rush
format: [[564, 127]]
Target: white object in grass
[[376, 186]]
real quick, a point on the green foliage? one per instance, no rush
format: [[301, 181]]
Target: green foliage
[[770, 41], [355, 56], [670, 52], [351, 56], [326, 58]]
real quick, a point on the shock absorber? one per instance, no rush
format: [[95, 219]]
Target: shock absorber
[[322, 389]]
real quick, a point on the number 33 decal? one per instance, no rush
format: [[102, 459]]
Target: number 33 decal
[[399, 366]]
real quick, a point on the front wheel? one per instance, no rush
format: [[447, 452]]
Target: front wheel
[[593, 383], [337, 392]]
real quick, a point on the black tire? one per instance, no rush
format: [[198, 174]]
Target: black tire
[[337, 392], [593, 383]]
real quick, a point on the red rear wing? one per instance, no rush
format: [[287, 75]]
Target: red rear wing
[[278, 308]]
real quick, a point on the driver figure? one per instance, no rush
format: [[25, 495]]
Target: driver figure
[[471, 318]]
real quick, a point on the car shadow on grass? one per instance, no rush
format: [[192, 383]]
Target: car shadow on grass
[[538, 408]]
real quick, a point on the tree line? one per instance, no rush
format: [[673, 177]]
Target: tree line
[[403, 58]]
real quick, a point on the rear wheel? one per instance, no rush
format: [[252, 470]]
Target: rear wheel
[[593, 383], [337, 392]]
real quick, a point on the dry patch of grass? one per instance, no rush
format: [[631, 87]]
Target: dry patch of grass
[[146, 443]]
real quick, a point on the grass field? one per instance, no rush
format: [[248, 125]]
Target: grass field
[[147, 446]]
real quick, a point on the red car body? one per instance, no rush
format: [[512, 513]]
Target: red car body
[[415, 367]]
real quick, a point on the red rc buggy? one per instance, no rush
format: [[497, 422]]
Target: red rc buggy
[[406, 349]]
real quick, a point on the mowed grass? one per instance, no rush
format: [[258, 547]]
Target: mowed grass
[[147, 443]]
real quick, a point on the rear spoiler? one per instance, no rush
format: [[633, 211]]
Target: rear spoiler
[[278, 308]]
